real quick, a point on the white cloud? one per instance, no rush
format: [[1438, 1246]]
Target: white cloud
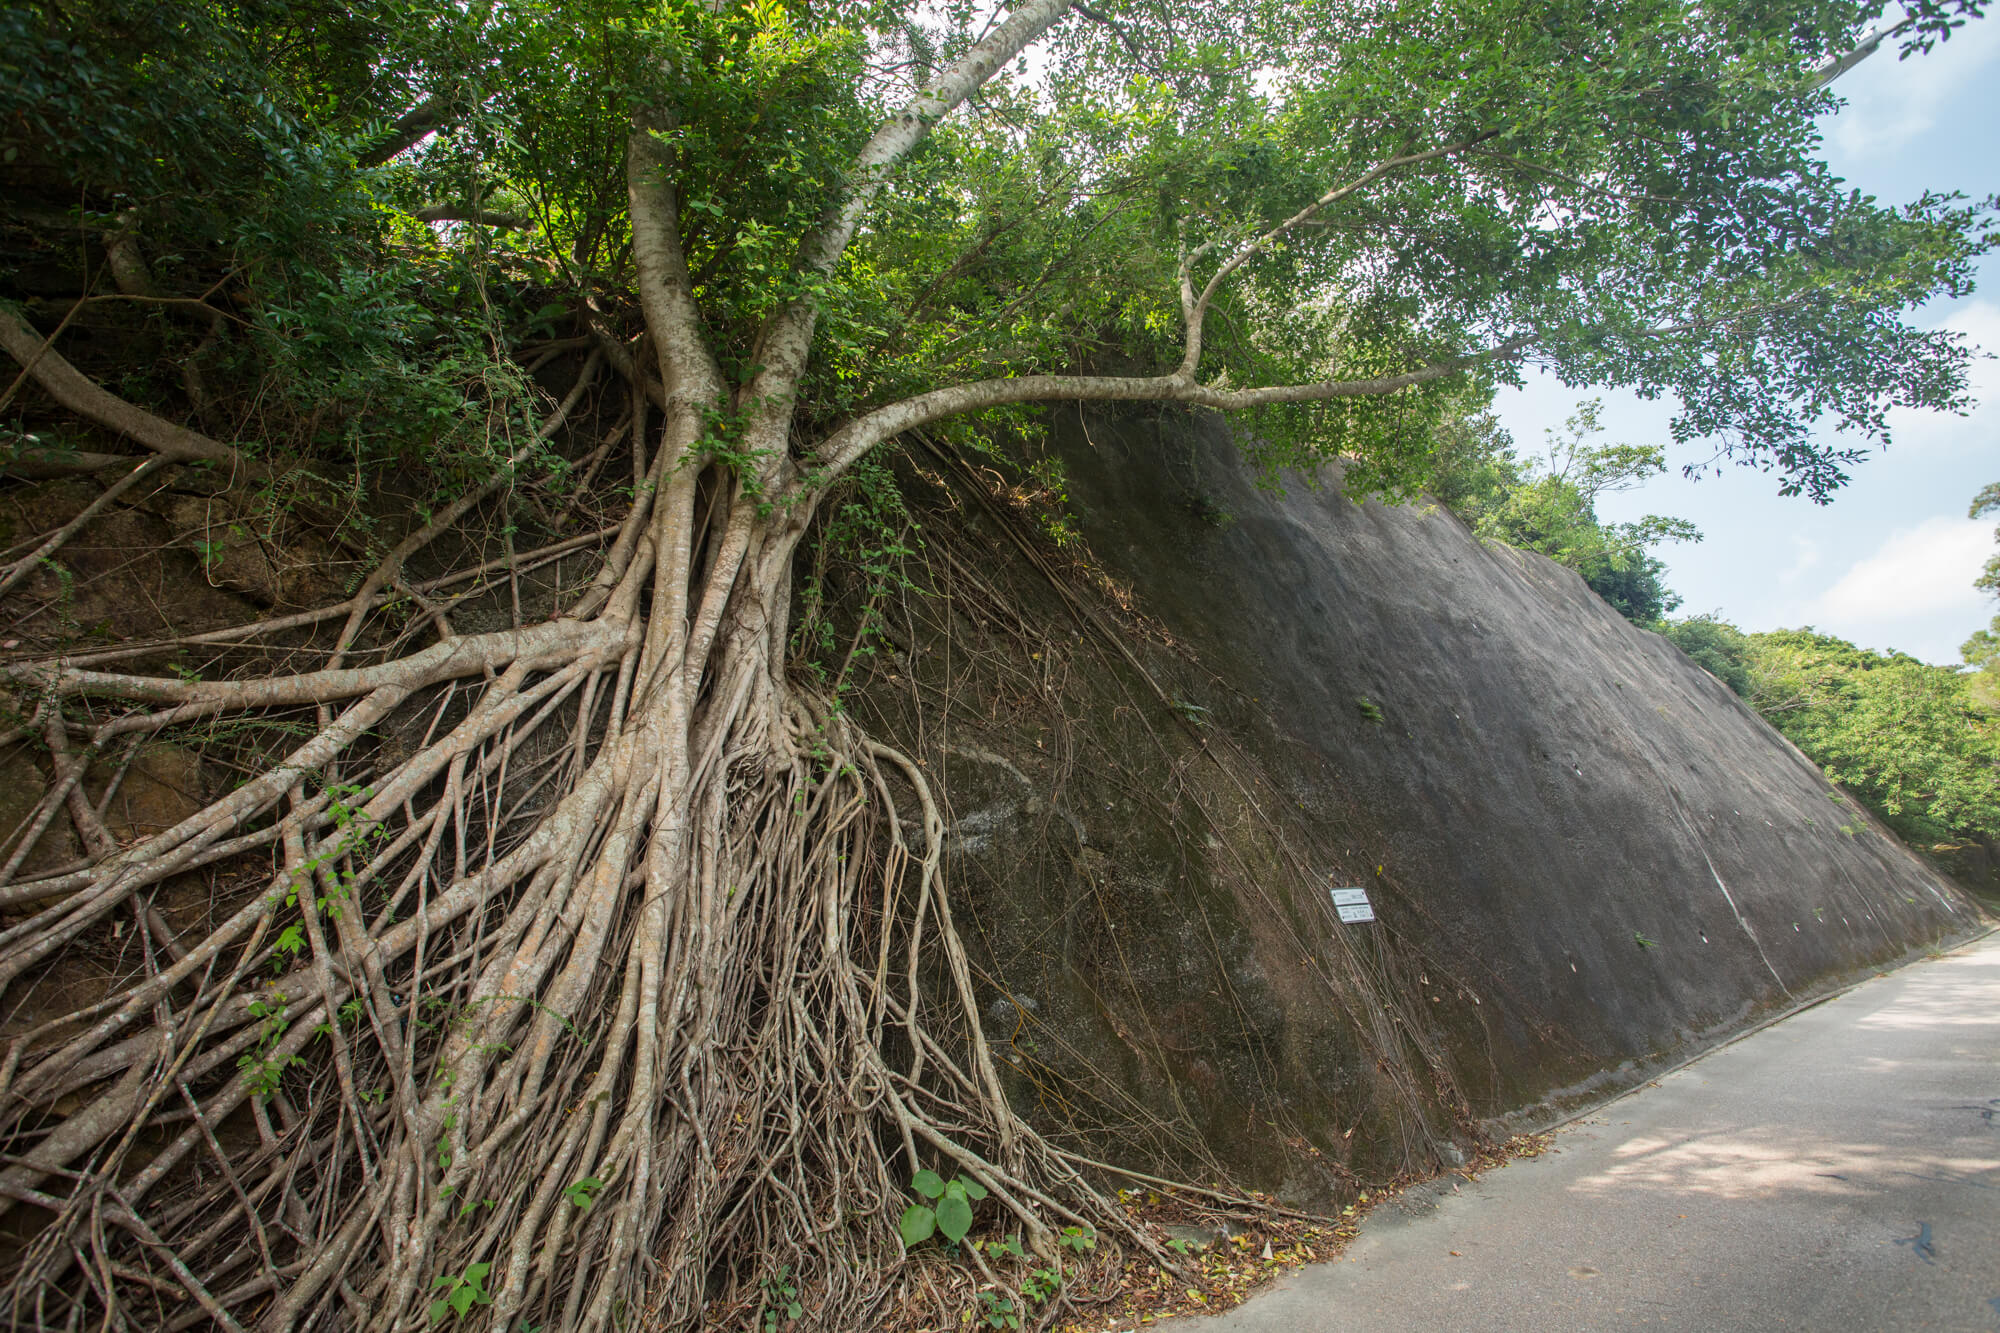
[[1807, 557], [1915, 572], [1891, 102]]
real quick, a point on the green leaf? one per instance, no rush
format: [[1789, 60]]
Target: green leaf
[[918, 1224], [954, 1216], [927, 1183], [974, 1190]]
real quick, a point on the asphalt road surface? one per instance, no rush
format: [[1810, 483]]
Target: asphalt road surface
[[1839, 1170]]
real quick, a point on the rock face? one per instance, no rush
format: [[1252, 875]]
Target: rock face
[[1587, 858]]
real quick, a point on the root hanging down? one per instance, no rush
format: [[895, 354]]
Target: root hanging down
[[632, 983]]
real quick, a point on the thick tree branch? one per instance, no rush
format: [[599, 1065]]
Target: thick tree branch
[[71, 388], [406, 131], [851, 442], [666, 293], [1197, 312], [847, 445], [1871, 42], [38, 467], [786, 339], [552, 642], [475, 215]]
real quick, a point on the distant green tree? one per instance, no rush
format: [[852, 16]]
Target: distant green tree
[[1909, 738], [1716, 646], [1914, 742], [1549, 504], [1984, 503], [1982, 650]]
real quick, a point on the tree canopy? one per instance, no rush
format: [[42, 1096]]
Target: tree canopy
[[1336, 215], [1910, 739], [1982, 650]]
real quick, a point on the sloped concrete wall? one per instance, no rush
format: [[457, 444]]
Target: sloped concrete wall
[[1588, 857]]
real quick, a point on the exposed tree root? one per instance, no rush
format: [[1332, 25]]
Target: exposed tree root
[[632, 1030]]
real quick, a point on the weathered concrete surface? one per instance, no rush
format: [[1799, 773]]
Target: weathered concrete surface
[[1838, 1170], [1588, 858], [1609, 847]]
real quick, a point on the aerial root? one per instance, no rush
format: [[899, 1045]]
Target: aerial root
[[631, 1023]]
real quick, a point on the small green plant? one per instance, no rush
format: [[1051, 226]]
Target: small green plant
[[1204, 510], [781, 1298], [1080, 1239], [584, 1192], [1046, 491], [1643, 942], [1062, 530], [356, 829], [65, 594], [264, 1067], [999, 1310], [1041, 1284], [1011, 1246], [210, 553], [461, 1292], [948, 1214], [1371, 711]]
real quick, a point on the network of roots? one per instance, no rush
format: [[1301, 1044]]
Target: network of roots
[[581, 973]]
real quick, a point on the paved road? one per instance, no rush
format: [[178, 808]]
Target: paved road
[[1839, 1170]]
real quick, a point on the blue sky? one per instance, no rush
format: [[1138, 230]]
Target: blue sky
[[1890, 563]]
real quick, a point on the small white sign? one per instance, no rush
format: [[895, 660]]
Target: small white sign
[[1352, 904]]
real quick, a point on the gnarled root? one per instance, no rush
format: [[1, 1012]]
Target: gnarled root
[[610, 1032]]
